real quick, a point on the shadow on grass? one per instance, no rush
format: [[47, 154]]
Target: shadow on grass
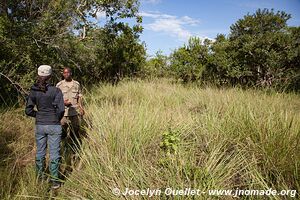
[[7, 163]]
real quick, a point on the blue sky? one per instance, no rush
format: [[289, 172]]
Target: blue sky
[[169, 23]]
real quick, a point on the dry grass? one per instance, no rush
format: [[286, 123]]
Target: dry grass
[[158, 134]]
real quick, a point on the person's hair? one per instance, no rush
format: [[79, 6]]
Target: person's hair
[[68, 68], [42, 82]]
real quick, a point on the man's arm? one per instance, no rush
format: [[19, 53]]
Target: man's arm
[[59, 103], [29, 109], [80, 101]]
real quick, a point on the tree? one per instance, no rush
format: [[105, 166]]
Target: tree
[[260, 51], [67, 33], [219, 62], [259, 45], [188, 62], [156, 66]]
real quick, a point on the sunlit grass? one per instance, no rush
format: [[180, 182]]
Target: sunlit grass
[[158, 134]]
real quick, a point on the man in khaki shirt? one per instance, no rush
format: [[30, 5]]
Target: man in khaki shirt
[[74, 111]]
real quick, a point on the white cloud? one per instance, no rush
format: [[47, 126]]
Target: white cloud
[[100, 14], [190, 21], [170, 24]]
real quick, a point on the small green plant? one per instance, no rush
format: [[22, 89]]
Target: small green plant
[[170, 142]]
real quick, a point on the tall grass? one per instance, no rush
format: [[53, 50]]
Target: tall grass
[[16, 150], [157, 134]]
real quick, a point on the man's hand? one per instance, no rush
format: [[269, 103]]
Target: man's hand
[[67, 102], [82, 112]]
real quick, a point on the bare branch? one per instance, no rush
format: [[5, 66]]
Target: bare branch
[[16, 85]]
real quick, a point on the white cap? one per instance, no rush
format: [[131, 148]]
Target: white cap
[[44, 70]]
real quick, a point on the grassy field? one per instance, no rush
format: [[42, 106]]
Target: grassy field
[[158, 134]]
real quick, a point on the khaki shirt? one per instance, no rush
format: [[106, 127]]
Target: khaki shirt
[[72, 91]]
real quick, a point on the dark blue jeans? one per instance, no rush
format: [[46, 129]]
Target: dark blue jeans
[[48, 135]]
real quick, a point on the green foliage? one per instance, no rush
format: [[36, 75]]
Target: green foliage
[[156, 67], [260, 51], [169, 146], [219, 62], [261, 22], [68, 33], [260, 45], [170, 142], [188, 62]]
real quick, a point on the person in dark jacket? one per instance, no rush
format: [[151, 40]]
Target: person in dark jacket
[[46, 104]]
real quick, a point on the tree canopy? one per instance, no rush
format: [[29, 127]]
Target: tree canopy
[[261, 50], [68, 33], [94, 38]]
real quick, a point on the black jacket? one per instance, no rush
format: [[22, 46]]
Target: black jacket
[[49, 104]]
